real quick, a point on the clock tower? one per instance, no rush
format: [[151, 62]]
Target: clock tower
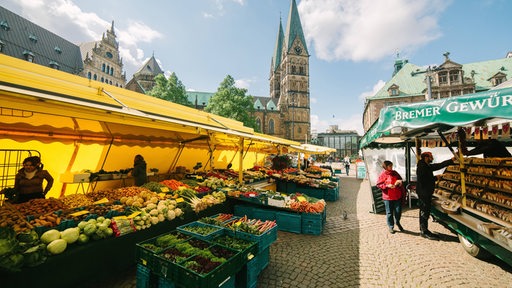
[[289, 79]]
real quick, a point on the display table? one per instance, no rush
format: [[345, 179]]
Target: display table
[[290, 187], [286, 219], [97, 260]]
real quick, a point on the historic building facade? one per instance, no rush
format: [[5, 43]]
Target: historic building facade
[[102, 61], [25, 40], [411, 83], [144, 79]]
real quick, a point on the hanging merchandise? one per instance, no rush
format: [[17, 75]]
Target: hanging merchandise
[[477, 133], [494, 133], [505, 130], [485, 132]]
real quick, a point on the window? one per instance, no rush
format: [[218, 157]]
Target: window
[[102, 79], [32, 38], [294, 69], [111, 70], [54, 65], [454, 76], [443, 77], [5, 26], [29, 56], [103, 67], [58, 50], [95, 77], [258, 123], [301, 70], [109, 55], [89, 75], [2, 45], [271, 126]]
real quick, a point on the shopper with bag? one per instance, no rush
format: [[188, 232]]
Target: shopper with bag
[[391, 185]]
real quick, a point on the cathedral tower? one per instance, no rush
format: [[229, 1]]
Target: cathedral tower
[[289, 79]]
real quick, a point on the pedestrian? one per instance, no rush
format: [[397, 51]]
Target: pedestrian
[[139, 172], [425, 188], [347, 164], [28, 182], [391, 185]]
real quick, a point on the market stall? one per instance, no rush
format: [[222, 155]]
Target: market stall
[[478, 212], [81, 127], [78, 124]]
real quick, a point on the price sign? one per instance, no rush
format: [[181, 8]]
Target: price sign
[[164, 189], [179, 200], [301, 198]]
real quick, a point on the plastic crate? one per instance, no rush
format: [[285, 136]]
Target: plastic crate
[[165, 283], [263, 259], [291, 222], [264, 240], [312, 223], [312, 192], [246, 254], [243, 210], [216, 230], [331, 194], [263, 214], [145, 256], [281, 186], [216, 278], [143, 277], [248, 275]]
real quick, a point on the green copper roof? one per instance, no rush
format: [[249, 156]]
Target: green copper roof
[[199, 98], [294, 28], [411, 81], [276, 59]]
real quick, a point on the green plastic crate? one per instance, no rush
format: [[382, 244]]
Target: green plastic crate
[[216, 230], [264, 240], [290, 222]]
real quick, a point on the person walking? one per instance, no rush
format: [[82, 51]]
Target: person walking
[[391, 185], [347, 164], [425, 188]]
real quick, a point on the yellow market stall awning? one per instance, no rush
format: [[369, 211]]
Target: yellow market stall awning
[[312, 149]]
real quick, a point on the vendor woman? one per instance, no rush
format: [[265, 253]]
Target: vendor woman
[[29, 180]]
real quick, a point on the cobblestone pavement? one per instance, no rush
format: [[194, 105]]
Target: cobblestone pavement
[[360, 252]]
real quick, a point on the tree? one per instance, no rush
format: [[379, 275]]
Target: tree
[[231, 102], [170, 89]]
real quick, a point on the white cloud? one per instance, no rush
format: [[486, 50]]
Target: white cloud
[[374, 90], [362, 30], [243, 83], [313, 100]]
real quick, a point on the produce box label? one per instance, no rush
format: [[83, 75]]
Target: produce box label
[[101, 201], [79, 213]]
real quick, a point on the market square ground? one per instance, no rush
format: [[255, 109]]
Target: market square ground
[[360, 252]]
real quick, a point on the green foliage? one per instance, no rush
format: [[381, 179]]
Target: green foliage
[[171, 89], [232, 102]]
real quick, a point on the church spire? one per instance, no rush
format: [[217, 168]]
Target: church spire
[[278, 50], [294, 29]]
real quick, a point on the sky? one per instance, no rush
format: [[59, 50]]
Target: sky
[[353, 44]]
